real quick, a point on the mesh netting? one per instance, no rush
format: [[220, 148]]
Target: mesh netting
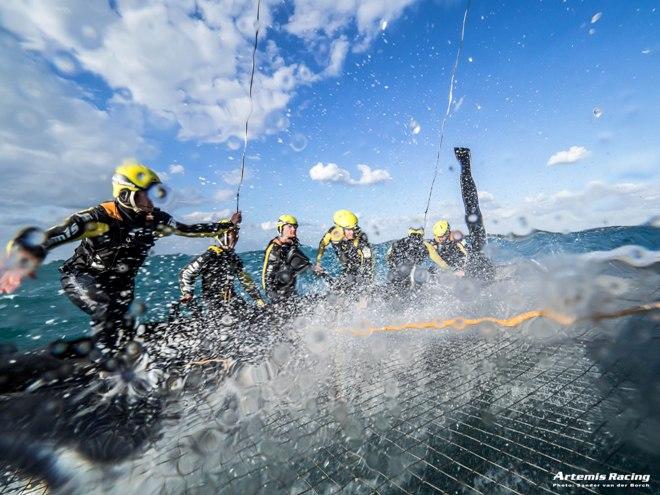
[[475, 412]]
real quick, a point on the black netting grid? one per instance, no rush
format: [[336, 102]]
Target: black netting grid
[[485, 411]]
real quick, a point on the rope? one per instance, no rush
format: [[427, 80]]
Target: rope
[[450, 100], [460, 323], [247, 120]]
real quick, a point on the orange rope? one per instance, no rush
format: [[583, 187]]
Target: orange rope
[[462, 323]]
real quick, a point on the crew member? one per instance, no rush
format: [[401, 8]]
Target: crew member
[[219, 267], [283, 261], [116, 237], [352, 248]]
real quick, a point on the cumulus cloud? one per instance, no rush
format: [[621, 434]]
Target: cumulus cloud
[[597, 204], [333, 173], [224, 195], [199, 81], [57, 150], [205, 216], [331, 16], [233, 177], [571, 155], [176, 168], [268, 225]]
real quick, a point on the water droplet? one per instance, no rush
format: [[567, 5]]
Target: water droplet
[[298, 142], [159, 195], [596, 17], [598, 112], [472, 218], [414, 127], [470, 59], [233, 143], [592, 31], [137, 308], [383, 25]]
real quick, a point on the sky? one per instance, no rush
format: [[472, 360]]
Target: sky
[[557, 99]]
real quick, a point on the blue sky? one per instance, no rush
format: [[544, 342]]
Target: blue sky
[[557, 99]]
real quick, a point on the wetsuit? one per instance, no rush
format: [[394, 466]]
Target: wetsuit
[[100, 276], [283, 261], [219, 269], [462, 255], [477, 264], [402, 258], [354, 256], [448, 255]]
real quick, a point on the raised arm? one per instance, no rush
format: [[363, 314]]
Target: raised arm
[[206, 229]]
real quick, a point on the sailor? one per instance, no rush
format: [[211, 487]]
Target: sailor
[[116, 237], [219, 267], [405, 257], [477, 264], [352, 248], [449, 250], [283, 262]]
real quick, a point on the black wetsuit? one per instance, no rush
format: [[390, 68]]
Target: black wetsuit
[[477, 264], [100, 276], [452, 252], [403, 256], [219, 269], [283, 261], [354, 256]]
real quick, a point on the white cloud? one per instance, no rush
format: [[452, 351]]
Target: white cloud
[[268, 225], [337, 56], [206, 216], [598, 204], [330, 16], [233, 177], [189, 63], [333, 173], [224, 195], [571, 155], [485, 196], [57, 150], [175, 168]]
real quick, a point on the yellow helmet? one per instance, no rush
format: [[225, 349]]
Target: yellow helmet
[[222, 235], [133, 176], [440, 228], [416, 231], [345, 219], [286, 220]]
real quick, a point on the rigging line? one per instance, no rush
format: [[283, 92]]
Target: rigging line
[[247, 120], [450, 100]]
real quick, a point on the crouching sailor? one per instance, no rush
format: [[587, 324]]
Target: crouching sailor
[[283, 262], [404, 259], [447, 249], [116, 237], [219, 267]]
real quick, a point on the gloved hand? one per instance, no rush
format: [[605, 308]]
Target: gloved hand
[[236, 218], [186, 298], [260, 303]]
